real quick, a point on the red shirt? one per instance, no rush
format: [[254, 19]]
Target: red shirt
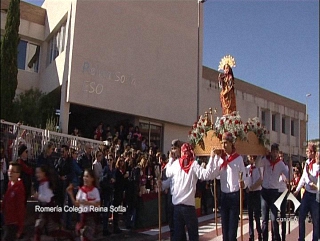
[[13, 205], [25, 168]]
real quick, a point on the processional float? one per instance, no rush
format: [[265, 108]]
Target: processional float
[[251, 137]]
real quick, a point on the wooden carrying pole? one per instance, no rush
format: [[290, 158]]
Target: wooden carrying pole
[[241, 206], [215, 205], [159, 200], [159, 209]]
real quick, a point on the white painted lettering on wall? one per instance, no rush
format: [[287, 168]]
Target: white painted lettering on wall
[[102, 74]]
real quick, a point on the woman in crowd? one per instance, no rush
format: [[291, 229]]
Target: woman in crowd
[[46, 157], [76, 132], [75, 180], [119, 186], [27, 170], [107, 188], [3, 171], [132, 193], [143, 177], [137, 138]]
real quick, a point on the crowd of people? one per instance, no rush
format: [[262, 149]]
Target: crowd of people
[[112, 175], [95, 182], [265, 180]]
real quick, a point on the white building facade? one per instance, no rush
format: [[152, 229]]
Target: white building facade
[[139, 61]]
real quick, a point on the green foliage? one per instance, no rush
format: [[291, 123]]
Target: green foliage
[[32, 108], [8, 58], [52, 123]]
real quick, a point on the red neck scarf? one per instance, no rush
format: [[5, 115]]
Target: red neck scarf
[[313, 161], [163, 165], [226, 160], [272, 164], [86, 190], [252, 166], [296, 181], [42, 181], [187, 157], [122, 170]]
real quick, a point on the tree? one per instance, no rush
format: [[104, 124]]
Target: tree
[[33, 108], [9, 56]]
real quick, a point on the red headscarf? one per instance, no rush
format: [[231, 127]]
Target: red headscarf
[[187, 157]]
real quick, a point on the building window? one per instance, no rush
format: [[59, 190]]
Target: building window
[[292, 127], [56, 44], [152, 132], [283, 125], [263, 118], [28, 56], [22, 52], [273, 122]]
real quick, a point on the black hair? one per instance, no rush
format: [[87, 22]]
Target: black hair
[[66, 147], [49, 174]]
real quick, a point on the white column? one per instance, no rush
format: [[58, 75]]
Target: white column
[[64, 110]]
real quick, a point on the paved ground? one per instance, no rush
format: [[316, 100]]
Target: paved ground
[[208, 231], [134, 235]]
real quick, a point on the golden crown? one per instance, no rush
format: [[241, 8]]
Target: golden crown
[[228, 59]]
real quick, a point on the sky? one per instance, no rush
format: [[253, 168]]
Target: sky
[[275, 44]]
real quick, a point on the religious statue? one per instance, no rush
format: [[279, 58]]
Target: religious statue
[[226, 84]]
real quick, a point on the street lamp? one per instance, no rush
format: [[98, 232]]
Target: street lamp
[[307, 118], [198, 57]]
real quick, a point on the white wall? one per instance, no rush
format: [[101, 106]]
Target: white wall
[[144, 52], [171, 132]]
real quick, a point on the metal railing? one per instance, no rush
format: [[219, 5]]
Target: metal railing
[[13, 135]]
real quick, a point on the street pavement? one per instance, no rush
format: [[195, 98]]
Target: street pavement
[[208, 230]]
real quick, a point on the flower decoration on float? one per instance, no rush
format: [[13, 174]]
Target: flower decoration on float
[[199, 130], [254, 125], [228, 59], [230, 123]]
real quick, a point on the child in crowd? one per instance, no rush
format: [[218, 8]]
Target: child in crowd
[[48, 221], [13, 206], [87, 197], [254, 192]]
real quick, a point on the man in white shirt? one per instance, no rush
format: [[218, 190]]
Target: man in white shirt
[[185, 173], [229, 165], [273, 167], [283, 207], [309, 203], [167, 185], [254, 175]]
